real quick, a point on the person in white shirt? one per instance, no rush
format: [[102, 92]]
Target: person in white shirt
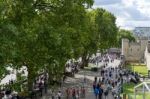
[[59, 94]]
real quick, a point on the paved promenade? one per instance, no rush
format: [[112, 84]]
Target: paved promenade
[[78, 80]]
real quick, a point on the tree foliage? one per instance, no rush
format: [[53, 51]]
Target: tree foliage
[[122, 33], [101, 33], [44, 34]]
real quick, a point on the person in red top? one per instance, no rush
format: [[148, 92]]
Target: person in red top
[[73, 93]]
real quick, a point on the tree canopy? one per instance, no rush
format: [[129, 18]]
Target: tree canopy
[[122, 33], [44, 34]]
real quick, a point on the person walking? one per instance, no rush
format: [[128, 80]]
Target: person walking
[[77, 93], [67, 93], [82, 92], [100, 91], [106, 93], [59, 94], [53, 94], [94, 83], [73, 93], [96, 92]]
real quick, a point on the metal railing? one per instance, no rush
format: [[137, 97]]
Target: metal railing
[[143, 88]]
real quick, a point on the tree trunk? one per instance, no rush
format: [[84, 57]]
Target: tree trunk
[[50, 78], [85, 60], [31, 77]]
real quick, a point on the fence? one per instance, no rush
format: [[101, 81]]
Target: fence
[[142, 91]]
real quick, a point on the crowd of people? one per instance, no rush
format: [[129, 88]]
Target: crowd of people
[[39, 85], [110, 81], [111, 78], [9, 94], [103, 58], [71, 68], [75, 93], [69, 93]]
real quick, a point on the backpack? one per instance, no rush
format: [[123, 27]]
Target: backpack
[[96, 91], [100, 91]]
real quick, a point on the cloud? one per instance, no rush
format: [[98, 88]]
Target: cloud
[[129, 13], [106, 2], [136, 14]]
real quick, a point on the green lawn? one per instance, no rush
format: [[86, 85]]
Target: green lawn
[[141, 69], [138, 96], [128, 89]]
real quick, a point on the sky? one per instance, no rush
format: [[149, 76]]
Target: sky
[[129, 13]]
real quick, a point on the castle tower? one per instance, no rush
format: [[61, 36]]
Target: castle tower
[[148, 46], [125, 47], [144, 42]]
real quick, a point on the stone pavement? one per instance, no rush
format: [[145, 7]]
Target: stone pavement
[[78, 80]]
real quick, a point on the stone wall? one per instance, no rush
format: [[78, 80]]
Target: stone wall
[[134, 51]]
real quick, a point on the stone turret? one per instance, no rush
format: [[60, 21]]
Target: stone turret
[[125, 47], [148, 46], [143, 46]]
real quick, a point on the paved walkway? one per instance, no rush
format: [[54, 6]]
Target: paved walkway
[[78, 80]]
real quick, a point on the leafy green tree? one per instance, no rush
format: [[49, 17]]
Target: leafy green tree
[[44, 34], [122, 33], [66, 31], [107, 29], [17, 32], [101, 33]]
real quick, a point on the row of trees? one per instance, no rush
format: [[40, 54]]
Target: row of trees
[[44, 34]]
